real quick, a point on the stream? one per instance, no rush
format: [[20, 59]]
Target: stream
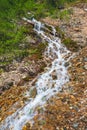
[[48, 83]]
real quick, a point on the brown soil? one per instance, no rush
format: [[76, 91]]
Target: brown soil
[[12, 96]]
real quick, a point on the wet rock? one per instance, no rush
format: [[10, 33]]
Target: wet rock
[[85, 59], [75, 125], [61, 7], [19, 59], [40, 110], [6, 86], [66, 64], [31, 73], [26, 77], [42, 122], [33, 93], [22, 70], [24, 128], [54, 75], [30, 40], [27, 126]]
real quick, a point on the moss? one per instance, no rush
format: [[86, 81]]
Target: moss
[[70, 44], [49, 27], [40, 49], [60, 32], [37, 50], [42, 67], [64, 15], [1, 71], [8, 57]]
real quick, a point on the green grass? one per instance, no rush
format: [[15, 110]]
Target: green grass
[[71, 44], [11, 34]]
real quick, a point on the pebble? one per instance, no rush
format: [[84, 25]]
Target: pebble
[[85, 9], [85, 59], [85, 67], [75, 125], [66, 64], [0, 119]]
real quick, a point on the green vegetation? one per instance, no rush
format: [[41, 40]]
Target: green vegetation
[[70, 44], [12, 31], [37, 50], [67, 41]]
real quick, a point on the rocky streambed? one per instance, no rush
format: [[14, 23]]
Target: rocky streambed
[[47, 84], [66, 110]]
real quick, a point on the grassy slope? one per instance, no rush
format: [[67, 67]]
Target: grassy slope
[[13, 34]]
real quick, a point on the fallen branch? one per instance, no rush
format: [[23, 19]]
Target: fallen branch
[[29, 21]]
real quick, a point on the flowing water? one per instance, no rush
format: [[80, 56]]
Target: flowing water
[[48, 83]]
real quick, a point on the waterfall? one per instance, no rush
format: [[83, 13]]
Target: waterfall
[[48, 83]]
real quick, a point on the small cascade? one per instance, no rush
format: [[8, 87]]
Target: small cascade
[[37, 25], [48, 83]]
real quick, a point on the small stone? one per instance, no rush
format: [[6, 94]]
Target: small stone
[[0, 119], [75, 125], [83, 73], [85, 59], [85, 9], [78, 63], [42, 122], [66, 64], [22, 70], [85, 67], [77, 29], [24, 128], [31, 73], [33, 93], [71, 108], [64, 128], [54, 76], [1, 91], [22, 103], [57, 128]]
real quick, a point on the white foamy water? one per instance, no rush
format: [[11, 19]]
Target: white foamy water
[[47, 84]]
